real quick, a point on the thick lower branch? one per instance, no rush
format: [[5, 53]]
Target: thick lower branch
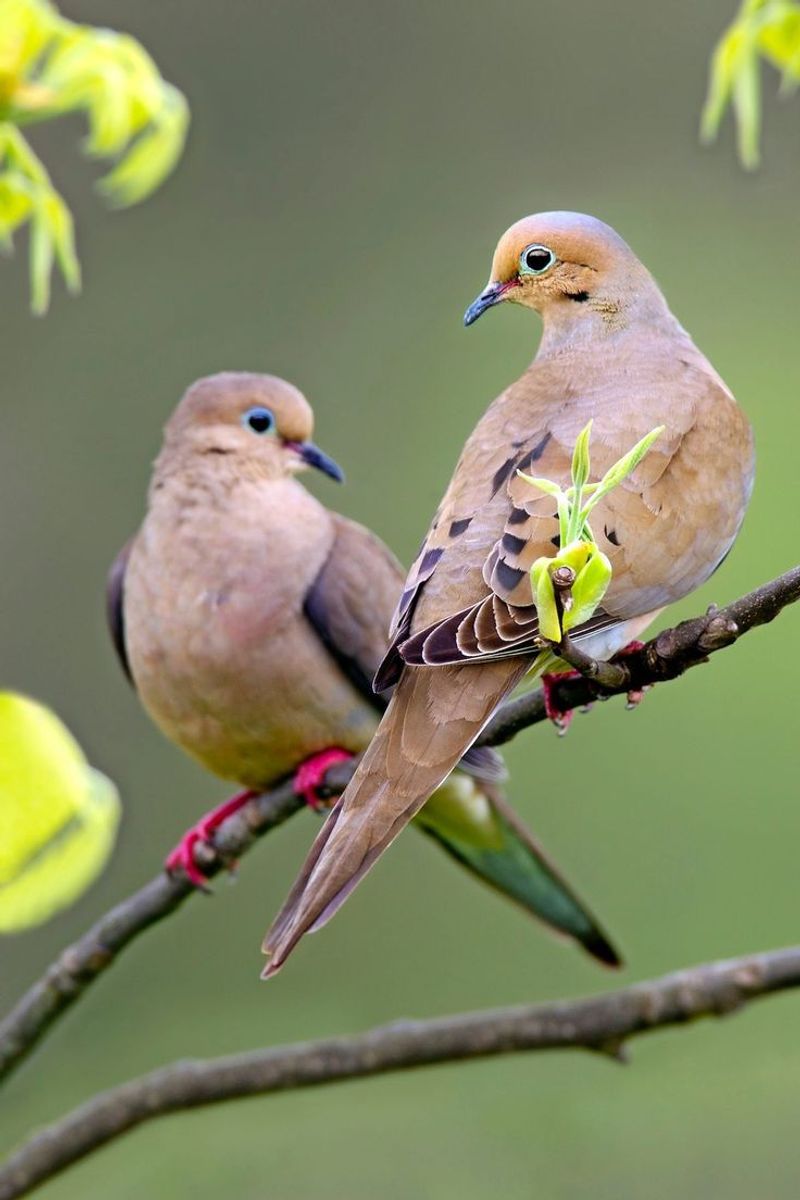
[[601, 1023], [77, 967]]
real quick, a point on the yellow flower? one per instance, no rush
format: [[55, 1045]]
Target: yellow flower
[[58, 816]]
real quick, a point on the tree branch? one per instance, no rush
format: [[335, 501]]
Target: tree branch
[[600, 1023], [665, 657]]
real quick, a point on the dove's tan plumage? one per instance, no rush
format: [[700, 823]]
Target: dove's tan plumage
[[610, 351], [252, 620], [215, 584]]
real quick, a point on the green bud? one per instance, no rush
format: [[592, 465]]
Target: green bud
[[588, 590], [580, 458], [544, 598]]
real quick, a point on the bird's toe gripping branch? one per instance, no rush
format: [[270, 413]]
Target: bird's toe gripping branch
[[636, 695], [561, 717], [309, 778], [182, 857]]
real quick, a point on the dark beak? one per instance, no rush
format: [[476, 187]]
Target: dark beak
[[491, 295], [314, 457]]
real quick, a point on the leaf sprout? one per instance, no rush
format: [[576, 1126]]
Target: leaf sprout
[[49, 67], [578, 551], [762, 29]]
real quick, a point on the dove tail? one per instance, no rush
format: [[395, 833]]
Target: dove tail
[[434, 716], [472, 820]]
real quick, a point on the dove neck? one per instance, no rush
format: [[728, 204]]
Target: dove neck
[[605, 316]]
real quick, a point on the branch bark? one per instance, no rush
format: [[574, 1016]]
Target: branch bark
[[600, 1023], [80, 964]]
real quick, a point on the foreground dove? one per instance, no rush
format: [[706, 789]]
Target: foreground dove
[[252, 620], [465, 632]]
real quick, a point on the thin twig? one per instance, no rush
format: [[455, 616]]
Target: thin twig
[[600, 1023], [79, 965]]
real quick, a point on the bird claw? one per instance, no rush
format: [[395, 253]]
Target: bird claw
[[310, 777], [636, 695], [182, 857], [561, 718]]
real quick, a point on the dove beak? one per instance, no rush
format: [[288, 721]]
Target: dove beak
[[492, 294], [312, 456]]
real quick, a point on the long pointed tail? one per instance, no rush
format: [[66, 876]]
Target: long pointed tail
[[434, 716], [474, 823]]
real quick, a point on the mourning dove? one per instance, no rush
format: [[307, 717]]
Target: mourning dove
[[465, 632], [252, 619]]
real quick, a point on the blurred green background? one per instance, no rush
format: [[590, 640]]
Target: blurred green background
[[349, 170]]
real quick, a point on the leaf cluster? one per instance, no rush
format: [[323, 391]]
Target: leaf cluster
[[560, 610], [50, 67], [767, 30]]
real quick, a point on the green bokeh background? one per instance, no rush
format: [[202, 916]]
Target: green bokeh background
[[349, 169]]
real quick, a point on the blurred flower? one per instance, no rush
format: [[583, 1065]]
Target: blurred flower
[[763, 29], [49, 67], [58, 816]]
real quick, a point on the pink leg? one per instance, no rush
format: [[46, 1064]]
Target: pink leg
[[311, 774], [637, 696], [182, 857], [561, 718]]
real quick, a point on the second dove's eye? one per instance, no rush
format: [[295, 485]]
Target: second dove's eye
[[259, 419], [534, 260]]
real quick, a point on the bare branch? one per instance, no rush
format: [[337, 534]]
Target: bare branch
[[79, 965], [600, 1023]]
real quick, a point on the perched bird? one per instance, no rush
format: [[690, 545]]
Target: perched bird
[[465, 632], [252, 619]]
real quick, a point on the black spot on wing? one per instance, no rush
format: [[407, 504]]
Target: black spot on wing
[[508, 577], [406, 597], [535, 454], [517, 516], [502, 473], [513, 544], [459, 527], [429, 560]]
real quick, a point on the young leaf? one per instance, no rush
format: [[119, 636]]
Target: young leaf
[[50, 66], [621, 469], [58, 816]]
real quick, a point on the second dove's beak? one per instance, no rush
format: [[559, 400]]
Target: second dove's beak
[[492, 294], [314, 457]]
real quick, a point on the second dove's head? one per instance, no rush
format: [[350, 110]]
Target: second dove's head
[[560, 261], [261, 422]]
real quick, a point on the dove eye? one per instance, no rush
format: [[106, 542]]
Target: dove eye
[[536, 259], [259, 419]]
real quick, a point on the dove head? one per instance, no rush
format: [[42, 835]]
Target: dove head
[[567, 266], [258, 423]]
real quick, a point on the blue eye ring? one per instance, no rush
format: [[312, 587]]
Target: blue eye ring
[[259, 419], [536, 259]]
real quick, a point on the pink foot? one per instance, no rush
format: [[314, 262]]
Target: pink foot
[[310, 776], [635, 697], [561, 718], [182, 857]]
